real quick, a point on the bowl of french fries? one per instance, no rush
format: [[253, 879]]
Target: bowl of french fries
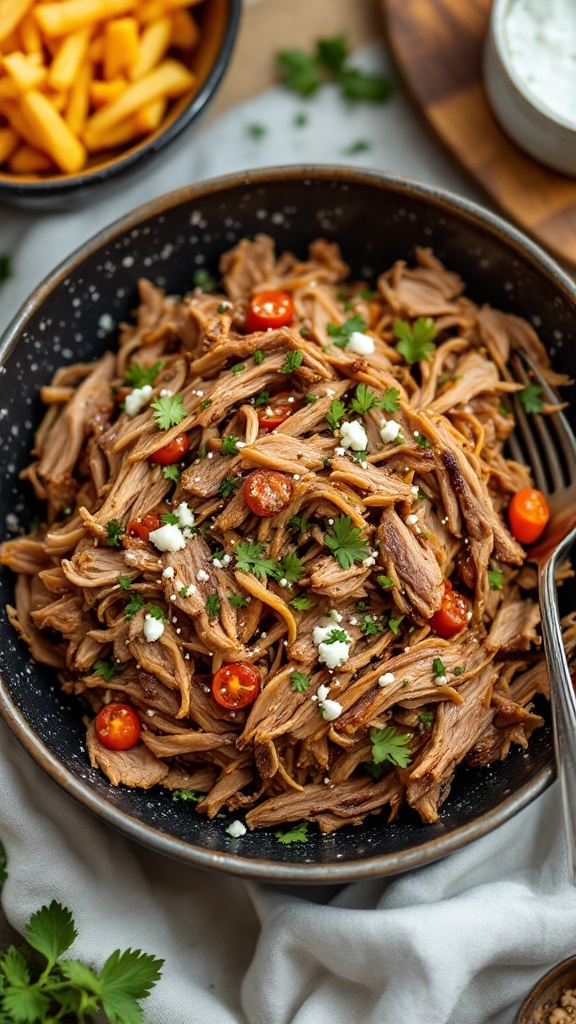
[[91, 90]]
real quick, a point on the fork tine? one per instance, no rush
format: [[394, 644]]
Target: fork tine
[[560, 424], [554, 467]]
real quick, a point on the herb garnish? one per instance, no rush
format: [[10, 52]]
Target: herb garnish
[[168, 411], [304, 73], [135, 604], [394, 624], [345, 543], [531, 398], [292, 362], [138, 376], [125, 582], [390, 744], [187, 794], [340, 333], [495, 579], [301, 604], [296, 834], [114, 533], [438, 667], [238, 600], [299, 681], [371, 627], [415, 342], [229, 445], [229, 486], [203, 279], [171, 472], [213, 606], [108, 669], [385, 582], [336, 412], [250, 558]]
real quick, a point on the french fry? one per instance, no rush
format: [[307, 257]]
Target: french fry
[[101, 93], [78, 100], [52, 133], [96, 50], [24, 72], [69, 57], [10, 44], [169, 80], [11, 14], [9, 141], [27, 160], [121, 46], [59, 19], [185, 32], [148, 118], [30, 35], [151, 10], [18, 120], [8, 89], [154, 42], [113, 138]]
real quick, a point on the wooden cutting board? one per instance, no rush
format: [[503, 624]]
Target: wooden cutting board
[[437, 46]]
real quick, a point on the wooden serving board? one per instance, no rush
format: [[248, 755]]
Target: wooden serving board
[[437, 46]]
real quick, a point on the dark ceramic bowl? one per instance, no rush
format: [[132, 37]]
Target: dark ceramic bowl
[[547, 992], [218, 21], [73, 316]]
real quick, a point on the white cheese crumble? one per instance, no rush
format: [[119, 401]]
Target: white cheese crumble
[[184, 515], [353, 435], [168, 538], [202, 576], [322, 691], [168, 572], [331, 654], [386, 679], [360, 343], [368, 562], [440, 680], [335, 615], [411, 520], [236, 829], [414, 490], [153, 628], [340, 450], [137, 399], [389, 430], [330, 710]]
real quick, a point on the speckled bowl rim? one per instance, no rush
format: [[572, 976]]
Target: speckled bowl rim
[[254, 867], [533, 1000], [67, 185], [498, 14]]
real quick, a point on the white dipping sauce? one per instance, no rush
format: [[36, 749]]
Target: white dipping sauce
[[541, 41]]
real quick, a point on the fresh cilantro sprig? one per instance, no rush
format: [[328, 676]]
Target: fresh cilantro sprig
[[114, 533], [229, 486], [340, 333], [345, 543], [108, 669], [364, 399], [300, 682], [304, 73], [171, 472], [390, 745], [187, 795], [213, 606], [168, 411], [138, 375], [250, 558], [238, 600], [135, 604], [438, 667], [390, 401], [495, 579], [292, 568], [336, 412], [296, 834], [416, 342], [229, 445], [301, 604], [531, 398], [292, 362], [54, 989]]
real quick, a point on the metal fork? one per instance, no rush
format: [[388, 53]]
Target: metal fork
[[549, 448]]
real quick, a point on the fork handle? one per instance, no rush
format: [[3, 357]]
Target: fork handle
[[562, 696]]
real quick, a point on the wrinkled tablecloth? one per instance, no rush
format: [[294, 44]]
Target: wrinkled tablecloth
[[457, 942]]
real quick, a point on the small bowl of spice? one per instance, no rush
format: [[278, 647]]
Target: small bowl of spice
[[530, 77], [553, 998]]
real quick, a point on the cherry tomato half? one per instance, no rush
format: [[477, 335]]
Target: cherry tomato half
[[267, 492], [528, 514], [144, 527], [118, 726], [451, 616], [172, 452], [278, 409], [235, 685], [269, 309], [121, 395]]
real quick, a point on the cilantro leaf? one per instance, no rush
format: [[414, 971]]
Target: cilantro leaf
[[108, 669], [171, 472], [229, 486], [301, 604], [345, 543], [362, 85], [258, 356], [203, 279], [238, 600], [125, 978], [238, 368], [296, 834], [438, 667], [213, 606], [187, 794], [156, 612], [415, 342], [168, 411], [394, 624], [426, 717], [340, 334], [292, 567], [390, 744], [5, 267], [249, 558], [135, 604], [390, 401], [332, 54], [385, 582], [298, 523], [229, 445], [422, 441], [364, 400], [299, 681], [531, 398], [495, 579], [299, 71], [169, 519], [458, 670], [337, 636], [125, 582], [292, 362], [138, 375], [336, 412], [371, 627], [262, 398], [114, 532], [50, 931]]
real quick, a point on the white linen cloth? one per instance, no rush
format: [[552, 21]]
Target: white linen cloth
[[457, 942]]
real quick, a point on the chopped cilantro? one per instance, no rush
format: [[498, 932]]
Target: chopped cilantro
[[531, 398], [108, 669], [229, 445], [203, 279], [391, 745], [340, 333], [359, 85], [495, 579], [138, 375], [370, 627], [385, 582], [205, 403], [296, 834], [169, 519], [394, 624], [310, 398], [345, 543], [155, 611], [438, 667], [299, 681], [135, 604], [422, 441], [114, 532], [239, 368], [458, 670], [336, 412], [171, 472], [229, 486], [125, 582], [304, 72], [250, 558], [292, 362], [301, 604], [426, 717], [238, 600], [168, 411], [415, 342], [262, 398], [213, 606], [258, 356], [337, 636], [364, 399], [187, 794], [299, 71]]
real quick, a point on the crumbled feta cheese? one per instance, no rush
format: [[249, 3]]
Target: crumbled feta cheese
[[414, 490], [236, 829], [168, 573], [322, 691], [137, 399], [389, 430], [335, 615], [283, 582], [440, 680], [411, 520], [217, 563], [165, 393], [353, 620], [468, 616], [353, 435], [339, 450], [367, 562], [202, 576], [184, 515], [331, 654], [168, 538], [330, 710], [360, 343], [386, 679], [153, 628]]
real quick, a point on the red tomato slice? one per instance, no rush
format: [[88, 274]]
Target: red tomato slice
[[144, 527], [172, 452], [118, 726], [269, 309], [451, 616], [236, 685], [267, 492], [278, 409], [528, 514]]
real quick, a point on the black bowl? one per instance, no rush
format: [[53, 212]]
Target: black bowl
[[218, 21], [73, 315]]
